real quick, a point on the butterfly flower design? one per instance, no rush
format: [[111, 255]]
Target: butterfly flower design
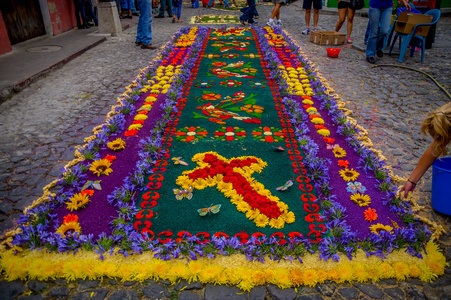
[[92, 184], [179, 161], [285, 186], [214, 209], [354, 187], [181, 193]]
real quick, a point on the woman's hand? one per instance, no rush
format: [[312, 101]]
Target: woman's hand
[[406, 4], [408, 187]]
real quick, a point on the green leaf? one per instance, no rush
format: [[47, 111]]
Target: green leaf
[[198, 116]]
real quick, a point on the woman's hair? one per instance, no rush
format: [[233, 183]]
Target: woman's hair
[[438, 125]]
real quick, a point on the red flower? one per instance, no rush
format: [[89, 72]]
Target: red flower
[[87, 192], [329, 140], [343, 163], [70, 218], [110, 158], [131, 132]]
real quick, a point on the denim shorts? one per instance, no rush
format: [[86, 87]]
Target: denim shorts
[[317, 4]]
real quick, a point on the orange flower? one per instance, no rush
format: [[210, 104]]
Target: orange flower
[[219, 64], [110, 158], [370, 214], [314, 116], [70, 218], [343, 163], [138, 122], [320, 127], [131, 132], [87, 192], [306, 97], [329, 140], [211, 97], [143, 112], [307, 106]]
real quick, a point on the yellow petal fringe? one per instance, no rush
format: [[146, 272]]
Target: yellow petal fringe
[[232, 270]]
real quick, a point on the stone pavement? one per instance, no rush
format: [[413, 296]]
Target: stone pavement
[[43, 123]]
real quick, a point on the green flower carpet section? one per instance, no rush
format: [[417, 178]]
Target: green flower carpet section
[[215, 19], [228, 161], [224, 173]]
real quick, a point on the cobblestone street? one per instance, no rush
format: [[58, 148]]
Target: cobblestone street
[[42, 124]]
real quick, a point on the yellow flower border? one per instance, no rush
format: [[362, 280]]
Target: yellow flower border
[[231, 270]]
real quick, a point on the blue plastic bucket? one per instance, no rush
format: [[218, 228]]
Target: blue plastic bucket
[[195, 4], [441, 185]]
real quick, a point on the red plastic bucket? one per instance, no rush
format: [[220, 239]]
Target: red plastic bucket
[[333, 52]]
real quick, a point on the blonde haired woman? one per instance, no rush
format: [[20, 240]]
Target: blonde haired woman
[[438, 125], [343, 10]]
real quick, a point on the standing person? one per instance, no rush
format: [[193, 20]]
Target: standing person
[[144, 31], [438, 125], [249, 13], [80, 14], [276, 13], [343, 10], [177, 6], [380, 16], [307, 5], [163, 5], [126, 6]]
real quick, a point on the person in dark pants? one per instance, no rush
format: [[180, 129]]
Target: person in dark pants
[[163, 5], [249, 13], [80, 14]]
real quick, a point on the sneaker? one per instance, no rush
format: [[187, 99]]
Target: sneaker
[[379, 53], [306, 31], [242, 22], [315, 29], [279, 23], [270, 24], [371, 60]]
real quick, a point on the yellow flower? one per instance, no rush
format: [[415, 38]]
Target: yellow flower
[[261, 220], [359, 272], [296, 277], [339, 152], [68, 227], [252, 214], [184, 181], [310, 277], [317, 121], [243, 206], [224, 186], [386, 270], [289, 217], [402, 270], [77, 201], [324, 132], [140, 117], [135, 126], [345, 271], [376, 228], [117, 144], [415, 272], [307, 101], [211, 181], [435, 267], [349, 175], [277, 223], [101, 167], [361, 200], [311, 109], [322, 275], [200, 184]]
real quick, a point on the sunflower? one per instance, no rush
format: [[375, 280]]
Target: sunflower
[[370, 214], [361, 200], [349, 174], [339, 152], [261, 220], [77, 201], [117, 144], [379, 227], [101, 167], [68, 227]]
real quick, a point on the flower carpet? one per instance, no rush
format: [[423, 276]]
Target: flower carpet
[[215, 19], [228, 160]]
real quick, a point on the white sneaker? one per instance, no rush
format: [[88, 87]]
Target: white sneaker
[[279, 23], [306, 31], [270, 24]]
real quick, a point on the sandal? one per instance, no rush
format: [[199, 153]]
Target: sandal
[[349, 41], [179, 21], [173, 20]]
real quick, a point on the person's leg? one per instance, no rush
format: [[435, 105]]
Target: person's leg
[[307, 18], [367, 33], [341, 18], [145, 20], [315, 18], [384, 27], [174, 12], [374, 15], [276, 10], [169, 4], [351, 13], [162, 9], [77, 13]]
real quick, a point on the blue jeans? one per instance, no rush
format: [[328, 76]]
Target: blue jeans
[[377, 17], [163, 4], [249, 12], [144, 32], [177, 9]]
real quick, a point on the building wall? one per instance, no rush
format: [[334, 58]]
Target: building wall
[[62, 15], [5, 45]]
